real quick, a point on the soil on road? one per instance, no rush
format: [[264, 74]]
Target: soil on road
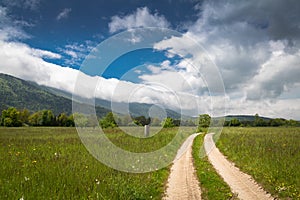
[[183, 183]]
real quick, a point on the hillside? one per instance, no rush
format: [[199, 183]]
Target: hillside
[[243, 118], [15, 92], [136, 109]]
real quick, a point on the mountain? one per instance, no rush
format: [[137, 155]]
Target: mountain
[[136, 109], [15, 92], [243, 118]]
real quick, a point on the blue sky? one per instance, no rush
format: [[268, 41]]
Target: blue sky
[[226, 57], [53, 25]]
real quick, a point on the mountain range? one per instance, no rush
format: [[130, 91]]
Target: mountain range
[[18, 93]]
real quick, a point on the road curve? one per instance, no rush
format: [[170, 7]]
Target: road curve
[[182, 182], [239, 182]]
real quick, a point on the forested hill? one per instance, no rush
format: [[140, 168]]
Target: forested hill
[[15, 92]]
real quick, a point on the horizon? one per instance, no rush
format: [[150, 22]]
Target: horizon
[[251, 51]]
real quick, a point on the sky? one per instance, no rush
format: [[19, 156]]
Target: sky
[[217, 57]]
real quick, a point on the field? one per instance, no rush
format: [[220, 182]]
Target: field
[[270, 155], [52, 163]]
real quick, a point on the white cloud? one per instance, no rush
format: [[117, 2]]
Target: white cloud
[[75, 53], [255, 64], [8, 28], [27, 4], [64, 14], [141, 18], [259, 63]]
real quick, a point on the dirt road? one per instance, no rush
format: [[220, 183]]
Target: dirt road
[[239, 182], [183, 183]]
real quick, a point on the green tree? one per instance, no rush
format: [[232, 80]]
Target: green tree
[[92, 121], [70, 121], [168, 123], [155, 122], [24, 116], [142, 120], [36, 119], [62, 119], [80, 120], [292, 122], [234, 122], [258, 121], [48, 118], [277, 122], [42, 118], [11, 117], [204, 122], [108, 121]]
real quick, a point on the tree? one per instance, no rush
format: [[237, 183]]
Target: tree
[[142, 120], [108, 121], [24, 116], [62, 119], [155, 122], [92, 121], [80, 120], [292, 122], [168, 123], [70, 121], [204, 122], [11, 117], [235, 122], [48, 118], [42, 118], [35, 119], [258, 121], [277, 122]]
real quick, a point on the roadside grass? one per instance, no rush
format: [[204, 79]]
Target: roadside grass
[[212, 185], [270, 155], [52, 163]]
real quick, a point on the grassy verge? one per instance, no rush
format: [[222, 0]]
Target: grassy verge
[[212, 185], [270, 155], [52, 163]]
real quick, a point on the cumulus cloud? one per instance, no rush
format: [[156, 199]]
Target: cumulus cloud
[[141, 18], [254, 44], [279, 74], [64, 14]]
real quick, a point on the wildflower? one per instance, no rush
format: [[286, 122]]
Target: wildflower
[[97, 181], [26, 178], [22, 198], [56, 155], [34, 162]]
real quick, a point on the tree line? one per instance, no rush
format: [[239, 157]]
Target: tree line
[[260, 122], [13, 117]]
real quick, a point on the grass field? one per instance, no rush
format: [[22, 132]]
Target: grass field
[[270, 155], [52, 163], [212, 185]]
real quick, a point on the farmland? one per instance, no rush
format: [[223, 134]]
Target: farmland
[[39, 163], [270, 155]]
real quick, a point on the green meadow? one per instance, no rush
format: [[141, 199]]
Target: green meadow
[[52, 163], [270, 155]]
